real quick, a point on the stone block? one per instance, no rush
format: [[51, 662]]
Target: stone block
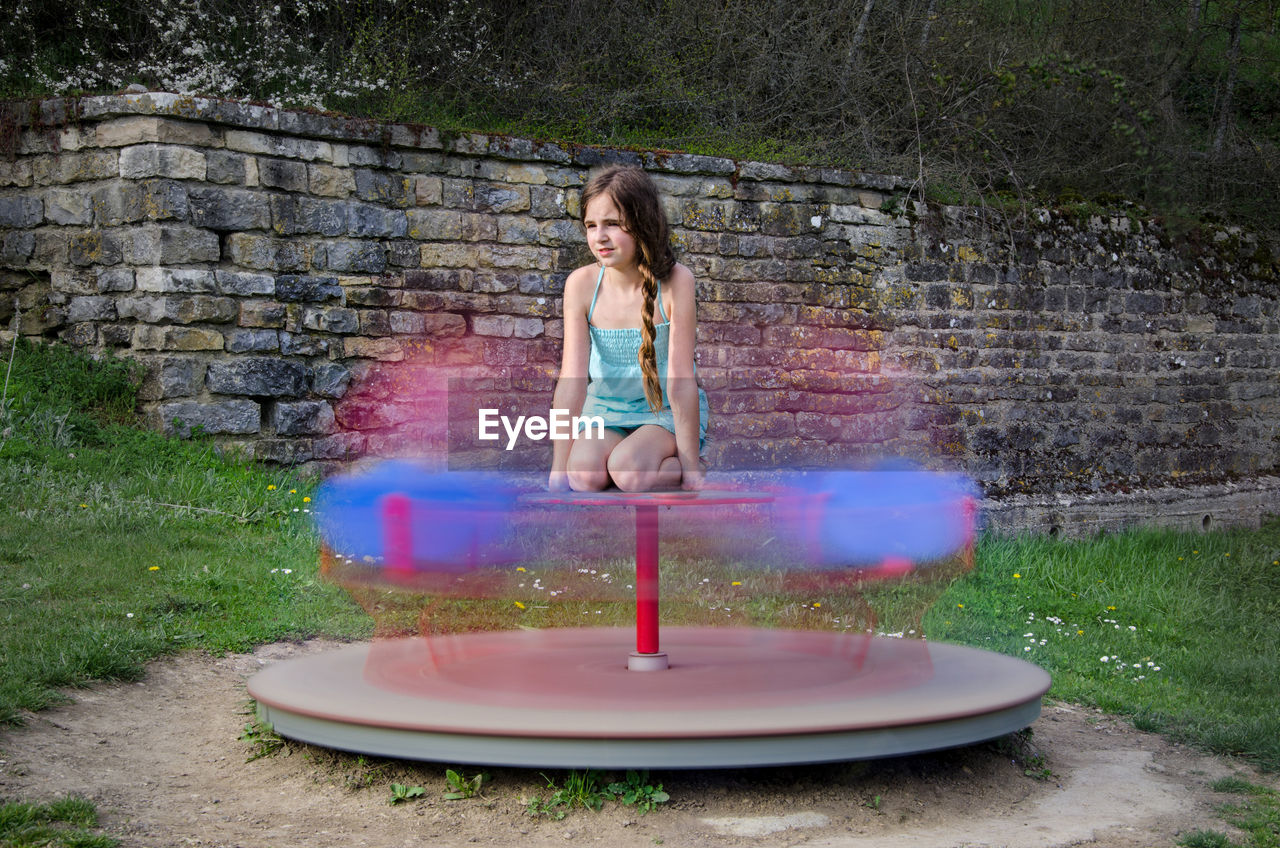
[[365, 257], [172, 376], [547, 202], [518, 229], [91, 308], [259, 376], [201, 309], [330, 379], [65, 206], [262, 313], [331, 319], [493, 325], [249, 250], [66, 168], [16, 173], [302, 418], [291, 215], [527, 328], [176, 338], [371, 296], [80, 335], [115, 280], [329, 181], [374, 322], [229, 209], [95, 247], [307, 289], [140, 129], [434, 224], [369, 221], [250, 341], [384, 188], [383, 350], [16, 248], [239, 417], [271, 145], [436, 279], [484, 196], [183, 280], [282, 173], [126, 203], [561, 233], [226, 168], [115, 335], [403, 254], [427, 191], [50, 248], [21, 212], [73, 282], [159, 160], [451, 255], [339, 446], [406, 323], [244, 283], [304, 344], [149, 310]]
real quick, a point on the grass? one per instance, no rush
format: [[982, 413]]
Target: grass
[[118, 546], [65, 822], [1178, 631], [1256, 814]]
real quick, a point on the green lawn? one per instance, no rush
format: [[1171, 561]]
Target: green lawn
[[118, 546]]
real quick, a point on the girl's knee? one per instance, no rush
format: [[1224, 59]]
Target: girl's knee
[[588, 480]]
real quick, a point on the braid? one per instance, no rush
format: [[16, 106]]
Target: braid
[[648, 354]]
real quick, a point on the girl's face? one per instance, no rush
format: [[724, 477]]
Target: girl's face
[[611, 245]]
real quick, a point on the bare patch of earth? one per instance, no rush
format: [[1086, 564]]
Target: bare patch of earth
[[164, 761]]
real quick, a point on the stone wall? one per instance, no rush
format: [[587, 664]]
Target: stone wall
[[315, 289]]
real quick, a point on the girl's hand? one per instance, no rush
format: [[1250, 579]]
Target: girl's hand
[[558, 481], [694, 479]]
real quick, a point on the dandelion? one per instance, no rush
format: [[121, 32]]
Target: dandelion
[[736, 583], [959, 606], [1017, 576], [293, 491], [1111, 609], [519, 605], [306, 500], [816, 604], [520, 568], [271, 487], [154, 568], [1079, 632]]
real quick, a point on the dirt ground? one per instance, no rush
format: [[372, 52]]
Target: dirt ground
[[165, 762]]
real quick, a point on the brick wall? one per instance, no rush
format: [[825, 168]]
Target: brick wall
[[314, 289]]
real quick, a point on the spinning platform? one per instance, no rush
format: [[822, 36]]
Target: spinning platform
[[709, 697], [564, 698]]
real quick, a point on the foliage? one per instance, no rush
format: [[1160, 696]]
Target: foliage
[[463, 787], [401, 793], [1155, 99], [635, 789]]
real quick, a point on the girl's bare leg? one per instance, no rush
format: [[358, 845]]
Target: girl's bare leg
[[588, 457], [645, 460]]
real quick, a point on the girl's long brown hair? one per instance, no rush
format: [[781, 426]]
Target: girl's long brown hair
[[636, 197]]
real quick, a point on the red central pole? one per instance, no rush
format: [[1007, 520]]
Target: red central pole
[[646, 579]]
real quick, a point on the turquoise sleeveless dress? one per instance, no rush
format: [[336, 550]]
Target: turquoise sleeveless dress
[[615, 386]]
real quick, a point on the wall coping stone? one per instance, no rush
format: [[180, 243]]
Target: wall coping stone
[[65, 111]]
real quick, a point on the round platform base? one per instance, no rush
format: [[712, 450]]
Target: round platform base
[[564, 698]]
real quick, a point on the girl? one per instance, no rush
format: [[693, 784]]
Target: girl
[[629, 327]]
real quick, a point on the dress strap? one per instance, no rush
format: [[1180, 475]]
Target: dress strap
[[596, 295], [660, 306]]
